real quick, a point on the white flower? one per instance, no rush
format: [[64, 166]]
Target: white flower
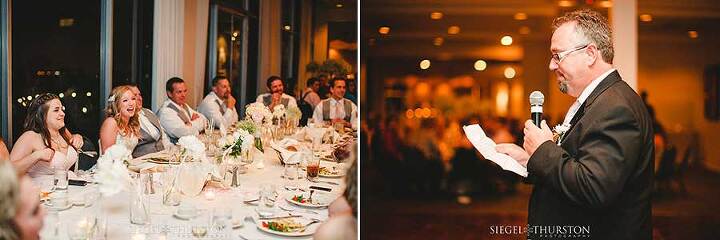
[[279, 111], [112, 175], [293, 113], [258, 112], [559, 132], [193, 146]]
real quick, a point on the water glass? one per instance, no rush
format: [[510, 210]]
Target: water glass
[[268, 197], [61, 179], [221, 218]]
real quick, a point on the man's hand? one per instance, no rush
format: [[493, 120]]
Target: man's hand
[[275, 100], [514, 151], [535, 136], [230, 101], [194, 116]]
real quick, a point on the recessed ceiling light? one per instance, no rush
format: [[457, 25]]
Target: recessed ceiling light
[[509, 72], [646, 17], [453, 30], [520, 16], [384, 30], [438, 41], [693, 34], [506, 40], [339, 5], [605, 4], [436, 15], [424, 64], [565, 3], [480, 65]]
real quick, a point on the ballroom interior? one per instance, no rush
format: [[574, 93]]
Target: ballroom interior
[[431, 67]]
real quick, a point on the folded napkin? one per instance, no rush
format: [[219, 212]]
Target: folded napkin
[[291, 150]]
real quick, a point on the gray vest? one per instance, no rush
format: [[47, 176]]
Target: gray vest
[[267, 100], [326, 110], [147, 143], [184, 115]]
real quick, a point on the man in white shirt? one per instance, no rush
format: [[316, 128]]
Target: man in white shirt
[[176, 116], [336, 109], [219, 104], [276, 95], [152, 135]]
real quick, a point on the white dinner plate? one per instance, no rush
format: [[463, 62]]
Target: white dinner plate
[[310, 230], [321, 200]]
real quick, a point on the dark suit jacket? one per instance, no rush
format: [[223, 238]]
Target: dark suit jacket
[[601, 175]]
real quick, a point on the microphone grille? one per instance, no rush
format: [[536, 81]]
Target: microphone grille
[[537, 98]]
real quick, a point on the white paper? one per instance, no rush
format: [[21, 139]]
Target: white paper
[[486, 147]]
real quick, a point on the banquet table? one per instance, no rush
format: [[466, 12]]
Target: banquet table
[[164, 225]]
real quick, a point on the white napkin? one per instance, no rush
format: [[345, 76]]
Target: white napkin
[[486, 147], [290, 157]]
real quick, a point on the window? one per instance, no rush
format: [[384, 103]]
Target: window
[[132, 45], [290, 43], [55, 48]]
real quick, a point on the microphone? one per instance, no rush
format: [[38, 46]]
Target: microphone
[[536, 107]]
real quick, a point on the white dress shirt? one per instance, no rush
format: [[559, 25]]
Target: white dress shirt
[[337, 111], [174, 125], [213, 107], [154, 132], [291, 99], [583, 96]]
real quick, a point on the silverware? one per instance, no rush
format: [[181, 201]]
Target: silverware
[[91, 154], [327, 182], [279, 217], [310, 198], [300, 210], [308, 224]]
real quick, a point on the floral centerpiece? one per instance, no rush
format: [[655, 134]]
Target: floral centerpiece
[[192, 149], [259, 113], [237, 145], [253, 130], [112, 174], [279, 111]]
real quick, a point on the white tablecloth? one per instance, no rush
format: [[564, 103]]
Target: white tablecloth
[[117, 207]]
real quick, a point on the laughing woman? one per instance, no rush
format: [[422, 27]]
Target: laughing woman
[[122, 125], [46, 144]]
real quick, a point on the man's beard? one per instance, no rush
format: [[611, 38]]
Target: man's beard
[[563, 85]]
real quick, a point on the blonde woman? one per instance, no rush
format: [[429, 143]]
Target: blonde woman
[[121, 125], [20, 212]]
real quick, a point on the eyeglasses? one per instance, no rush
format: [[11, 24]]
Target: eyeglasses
[[558, 57]]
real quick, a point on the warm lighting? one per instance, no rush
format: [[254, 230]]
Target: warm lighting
[[524, 30], [506, 40], [409, 113], [509, 72], [339, 5], [438, 41], [480, 65], [61, 95], [426, 112], [66, 22], [422, 90], [29, 98], [88, 94], [232, 38], [605, 4], [565, 3], [286, 27], [418, 112], [693, 34], [57, 73], [502, 99], [520, 16], [84, 110], [384, 30], [436, 15], [424, 64], [235, 34], [452, 30], [24, 105], [73, 94], [646, 18], [19, 100]]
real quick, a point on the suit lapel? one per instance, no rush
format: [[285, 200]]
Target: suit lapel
[[611, 79]]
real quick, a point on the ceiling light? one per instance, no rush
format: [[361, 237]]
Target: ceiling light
[[452, 30], [520, 16], [480, 65], [438, 41], [605, 4], [646, 18], [339, 5], [424, 64], [384, 30], [509, 72], [693, 34], [436, 15], [506, 40], [565, 3]]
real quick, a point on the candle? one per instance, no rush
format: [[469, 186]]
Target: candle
[[210, 195]]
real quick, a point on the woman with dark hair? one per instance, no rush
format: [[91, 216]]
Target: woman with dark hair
[[46, 144], [122, 124], [21, 214]]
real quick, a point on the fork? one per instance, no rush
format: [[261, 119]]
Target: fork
[[314, 220]]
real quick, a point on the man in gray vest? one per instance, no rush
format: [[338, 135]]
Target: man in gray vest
[[152, 135], [276, 95], [219, 104], [337, 108], [176, 116]]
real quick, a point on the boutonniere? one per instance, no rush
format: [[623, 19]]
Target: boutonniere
[[559, 132]]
